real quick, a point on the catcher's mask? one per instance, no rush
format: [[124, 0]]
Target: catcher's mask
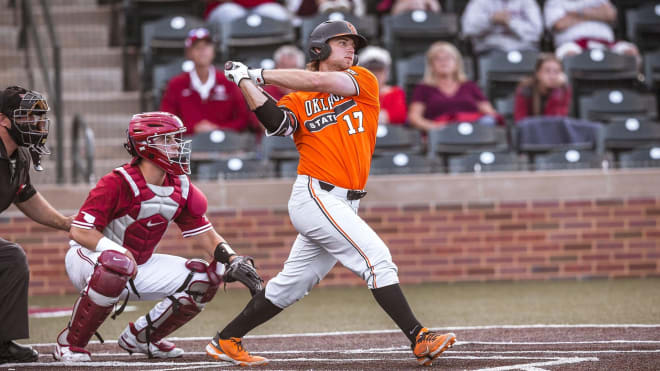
[[158, 137], [28, 112], [319, 49]]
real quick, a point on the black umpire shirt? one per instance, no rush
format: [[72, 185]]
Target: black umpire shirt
[[15, 183]]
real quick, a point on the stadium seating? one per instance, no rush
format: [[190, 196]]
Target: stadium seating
[[401, 163], [465, 137], [500, 72], [279, 150], [235, 168], [397, 138], [568, 159], [609, 105], [485, 161], [410, 33], [599, 69], [642, 157], [222, 144], [630, 134], [652, 74], [138, 12], [643, 26], [253, 38]]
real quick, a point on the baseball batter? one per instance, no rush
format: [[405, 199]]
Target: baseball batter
[[333, 117], [115, 234]]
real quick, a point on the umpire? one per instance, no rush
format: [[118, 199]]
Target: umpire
[[24, 122]]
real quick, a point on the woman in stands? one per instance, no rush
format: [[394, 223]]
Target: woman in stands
[[545, 93], [393, 108], [445, 95]]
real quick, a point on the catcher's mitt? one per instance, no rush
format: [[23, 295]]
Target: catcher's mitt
[[242, 269]]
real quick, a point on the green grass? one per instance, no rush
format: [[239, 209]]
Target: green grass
[[619, 301]]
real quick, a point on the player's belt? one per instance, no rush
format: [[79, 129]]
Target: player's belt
[[351, 194]]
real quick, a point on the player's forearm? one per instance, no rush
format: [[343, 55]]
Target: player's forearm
[[253, 95], [88, 238], [39, 210], [337, 83]]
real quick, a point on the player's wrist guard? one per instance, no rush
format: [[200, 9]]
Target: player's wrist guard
[[223, 252], [257, 76]]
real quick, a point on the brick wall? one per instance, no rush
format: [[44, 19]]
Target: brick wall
[[430, 242]]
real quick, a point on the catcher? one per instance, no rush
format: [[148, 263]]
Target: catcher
[[114, 236]]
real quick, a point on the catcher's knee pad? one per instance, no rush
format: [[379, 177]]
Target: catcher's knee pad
[[179, 309], [111, 273], [203, 280], [384, 273]]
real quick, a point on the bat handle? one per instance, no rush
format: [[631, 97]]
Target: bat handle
[[229, 65]]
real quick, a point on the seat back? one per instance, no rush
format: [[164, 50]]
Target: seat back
[[500, 72], [279, 148], [631, 133], [641, 157], [643, 26], [599, 69], [568, 159], [221, 144], [485, 161], [254, 36], [401, 163], [413, 32], [234, 168], [608, 105], [397, 138], [466, 137], [139, 12]]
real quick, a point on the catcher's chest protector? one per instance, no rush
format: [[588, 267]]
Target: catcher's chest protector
[[152, 209]]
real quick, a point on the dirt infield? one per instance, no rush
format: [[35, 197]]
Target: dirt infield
[[536, 347]]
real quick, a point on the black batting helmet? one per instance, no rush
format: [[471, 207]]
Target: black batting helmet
[[327, 30]]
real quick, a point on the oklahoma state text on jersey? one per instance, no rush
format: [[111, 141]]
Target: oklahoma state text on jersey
[[336, 135]]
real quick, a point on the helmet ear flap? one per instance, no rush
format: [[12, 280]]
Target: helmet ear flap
[[129, 145], [322, 54]]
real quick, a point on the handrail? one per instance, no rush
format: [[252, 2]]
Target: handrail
[[77, 161], [53, 87]]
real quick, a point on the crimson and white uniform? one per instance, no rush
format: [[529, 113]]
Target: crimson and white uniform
[[136, 215]]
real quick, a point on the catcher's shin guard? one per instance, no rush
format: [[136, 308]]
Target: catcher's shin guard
[[178, 309], [113, 269]]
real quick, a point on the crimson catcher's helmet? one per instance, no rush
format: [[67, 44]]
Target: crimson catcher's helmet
[[327, 30], [158, 137]]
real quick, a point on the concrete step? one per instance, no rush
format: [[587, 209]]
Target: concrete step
[[71, 57], [63, 15], [69, 36], [73, 80], [102, 103]]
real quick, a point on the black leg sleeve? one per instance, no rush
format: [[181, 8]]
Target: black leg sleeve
[[15, 277], [391, 299], [256, 312]]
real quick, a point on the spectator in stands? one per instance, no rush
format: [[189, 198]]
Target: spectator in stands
[[225, 11], [584, 24], [503, 25], [395, 7], [203, 98], [290, 57], [444, 95], [546, 93], [393, 108]]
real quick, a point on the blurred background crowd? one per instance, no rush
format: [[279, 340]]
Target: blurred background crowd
[[465, 85]]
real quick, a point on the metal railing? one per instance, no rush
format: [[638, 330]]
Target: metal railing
[[29, 32], [82, 164]]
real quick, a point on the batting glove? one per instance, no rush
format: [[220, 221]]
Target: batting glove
[[236, 71], [257, 76]]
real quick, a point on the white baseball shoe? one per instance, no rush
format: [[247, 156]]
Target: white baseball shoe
[[70, 354], [162, 349]]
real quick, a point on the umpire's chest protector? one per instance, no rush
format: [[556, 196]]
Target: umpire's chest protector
[[143, 221]]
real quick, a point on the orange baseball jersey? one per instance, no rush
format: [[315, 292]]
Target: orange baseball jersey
[[336, 135]]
